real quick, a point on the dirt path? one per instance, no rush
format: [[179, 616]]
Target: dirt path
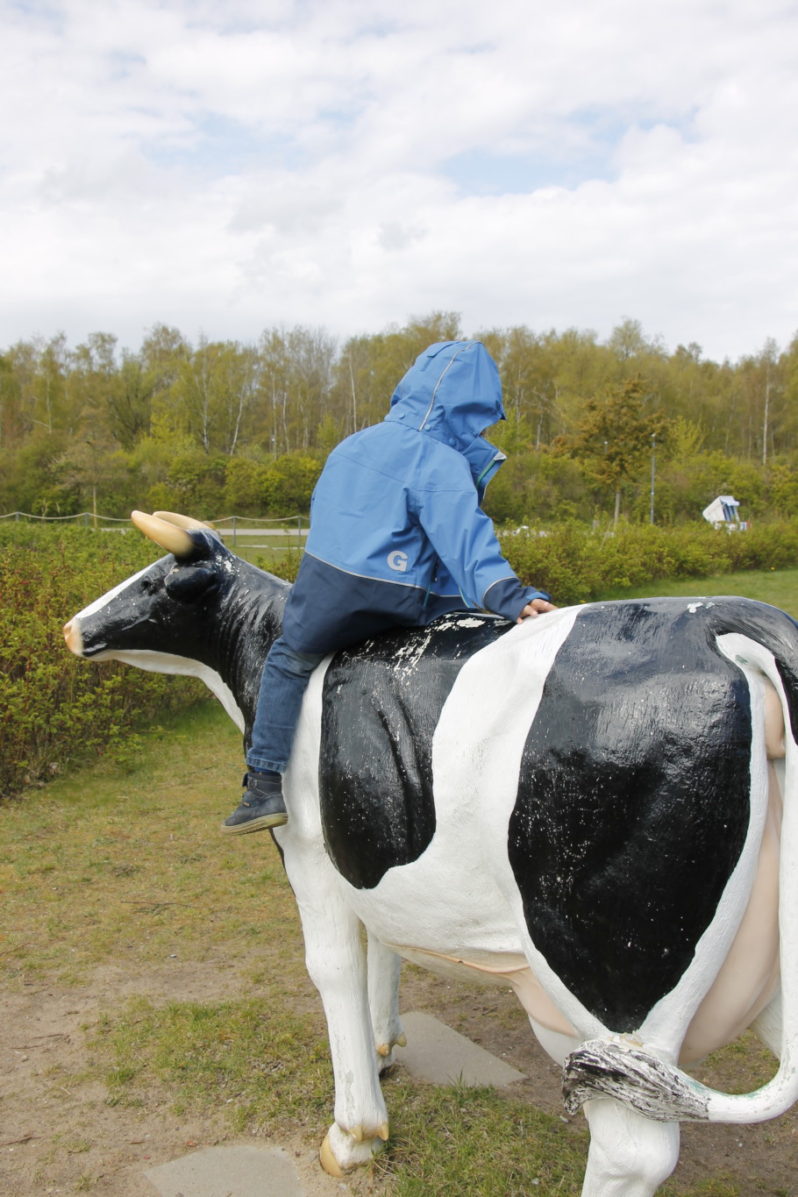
[[59, 1134]]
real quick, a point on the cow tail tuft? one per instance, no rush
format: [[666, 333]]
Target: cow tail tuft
[[613, 1068]]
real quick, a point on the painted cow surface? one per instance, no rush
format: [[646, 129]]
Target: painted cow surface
[[596, 807]]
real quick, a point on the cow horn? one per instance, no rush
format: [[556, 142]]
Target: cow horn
[[168, 536], [183, 521]]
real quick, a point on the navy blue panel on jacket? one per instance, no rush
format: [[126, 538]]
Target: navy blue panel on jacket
[[397, 535]]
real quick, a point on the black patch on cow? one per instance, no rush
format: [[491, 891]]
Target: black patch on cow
[[382, 703], [633, 803]]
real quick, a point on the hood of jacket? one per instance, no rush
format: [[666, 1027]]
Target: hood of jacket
[[452, 393]]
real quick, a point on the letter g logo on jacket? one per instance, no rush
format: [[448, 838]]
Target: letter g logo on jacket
[[397, 560]]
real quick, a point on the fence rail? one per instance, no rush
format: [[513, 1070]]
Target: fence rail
[[231, 526]]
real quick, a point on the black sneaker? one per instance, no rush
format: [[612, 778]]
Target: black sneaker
[[261, 806]]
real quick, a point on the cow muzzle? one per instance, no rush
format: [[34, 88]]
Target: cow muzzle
[[73, 637]]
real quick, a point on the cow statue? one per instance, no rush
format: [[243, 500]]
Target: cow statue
[[597, 807]]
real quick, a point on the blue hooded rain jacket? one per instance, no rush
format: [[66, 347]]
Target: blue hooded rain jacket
[[397, 533]]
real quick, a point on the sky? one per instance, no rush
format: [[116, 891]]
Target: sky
[[228, 167]]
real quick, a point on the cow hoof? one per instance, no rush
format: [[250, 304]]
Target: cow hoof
[[328, 1161], [341, 1151], [385, 1049]]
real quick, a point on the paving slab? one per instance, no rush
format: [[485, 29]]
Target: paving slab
[[239, 1171], [440, 1055]]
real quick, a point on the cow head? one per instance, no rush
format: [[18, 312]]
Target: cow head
[[201, 610]]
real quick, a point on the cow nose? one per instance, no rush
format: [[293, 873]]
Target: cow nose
[[74, 640]]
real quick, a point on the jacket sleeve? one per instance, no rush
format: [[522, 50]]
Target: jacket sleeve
[[464, 539]]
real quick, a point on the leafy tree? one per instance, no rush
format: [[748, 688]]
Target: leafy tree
[[211, 396], [295, 382], [246, 486], [12, 425], [130, 401], [96, 424], [289, 483], [194, 484], [615, 436]]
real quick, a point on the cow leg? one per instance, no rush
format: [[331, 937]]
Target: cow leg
[[336, 961], [630, 1156], [384, 967]]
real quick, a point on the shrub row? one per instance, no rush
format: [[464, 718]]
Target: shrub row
[[577, 564], [54, 708]]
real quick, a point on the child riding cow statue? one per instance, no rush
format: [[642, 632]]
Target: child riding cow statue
[[595, 805]]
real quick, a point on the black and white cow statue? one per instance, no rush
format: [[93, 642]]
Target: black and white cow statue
[[597, 807]]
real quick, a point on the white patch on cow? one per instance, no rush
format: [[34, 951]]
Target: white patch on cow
[[186, 667], [673, 1013], [693, 607], [476, 755], [408, 655], [104, 599]]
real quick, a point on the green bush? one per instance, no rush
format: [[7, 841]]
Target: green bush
[[577, 564], [53, 707]]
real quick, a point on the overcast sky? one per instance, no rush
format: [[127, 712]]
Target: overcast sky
[[229, 166]]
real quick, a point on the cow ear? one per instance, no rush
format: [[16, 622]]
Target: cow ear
[[188, 583]]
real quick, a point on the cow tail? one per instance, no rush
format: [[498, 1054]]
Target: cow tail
[[619, 1068], [781, 1091]]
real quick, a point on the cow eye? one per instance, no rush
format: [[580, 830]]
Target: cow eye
[[146, 583]]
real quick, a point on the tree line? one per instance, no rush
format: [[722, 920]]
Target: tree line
[[595, 429]]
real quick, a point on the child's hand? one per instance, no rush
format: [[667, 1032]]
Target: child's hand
[[535, 608]]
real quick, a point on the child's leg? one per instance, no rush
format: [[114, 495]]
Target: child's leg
[[282, 687], [283, 683]]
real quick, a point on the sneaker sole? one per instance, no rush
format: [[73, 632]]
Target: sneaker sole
[[263, 823]]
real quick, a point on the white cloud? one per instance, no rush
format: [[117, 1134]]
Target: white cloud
[[349, 162]]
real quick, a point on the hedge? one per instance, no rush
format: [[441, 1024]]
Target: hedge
[[54, 708], [577, 564]]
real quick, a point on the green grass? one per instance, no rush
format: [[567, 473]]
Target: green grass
[[124, 860], [260, 1057], [777, 587], [454, 1139], [276, 554]]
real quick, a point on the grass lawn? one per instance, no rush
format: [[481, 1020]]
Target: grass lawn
[[777, 587]]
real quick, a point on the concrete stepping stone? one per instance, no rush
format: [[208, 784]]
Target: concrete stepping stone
[[440, 1055], [228, 1172]]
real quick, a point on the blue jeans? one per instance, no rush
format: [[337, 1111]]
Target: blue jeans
[[282, 687]]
